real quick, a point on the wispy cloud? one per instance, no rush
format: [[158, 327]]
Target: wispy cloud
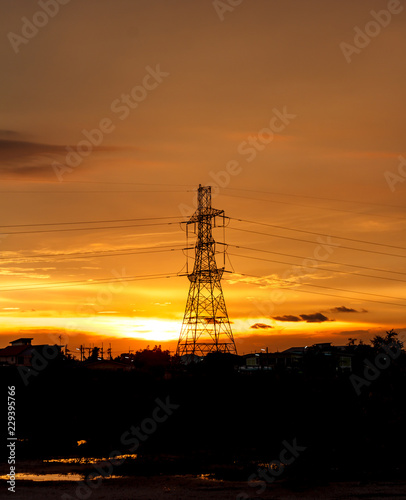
[[314, 318], [287, 317], [273, 280], [22, 158], [344, 309], [261, 326], [24, 273], [317, 317]]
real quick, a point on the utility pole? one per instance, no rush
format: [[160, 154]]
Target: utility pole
[[206, 327]]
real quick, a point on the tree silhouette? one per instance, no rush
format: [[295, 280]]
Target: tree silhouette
[[148, 358], [391, 339], [95, 354]]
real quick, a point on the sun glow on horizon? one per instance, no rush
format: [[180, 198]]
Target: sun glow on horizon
[[151, 329], [164, 329]]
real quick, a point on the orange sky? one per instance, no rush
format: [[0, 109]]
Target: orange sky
[[258, 100]]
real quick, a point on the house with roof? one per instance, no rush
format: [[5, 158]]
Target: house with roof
[[288, 359], [21, 351], [18, 353], [296, 358]]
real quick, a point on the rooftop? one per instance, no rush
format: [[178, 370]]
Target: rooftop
[[13, 350], [22, 341]]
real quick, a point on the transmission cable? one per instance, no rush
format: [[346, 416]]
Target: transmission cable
[[96, 254], [321, 293], [318, 268], [92, 228], [92, 191], [111, 221], [313, 206], [89, 282], [100, 182], [319, 260], [333, 288], [317, 234], [308, 241], [315, 197]]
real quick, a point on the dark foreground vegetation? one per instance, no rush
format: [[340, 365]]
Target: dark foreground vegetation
[[345, 425]]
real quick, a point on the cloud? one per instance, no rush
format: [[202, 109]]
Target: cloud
[[11, 149], [24, 272], [10, 134], [24, 158], [352, 333], [287, 317], [29, 159], [344, 309], [309, 318], [314, 318], [214, 321], [259, 326]]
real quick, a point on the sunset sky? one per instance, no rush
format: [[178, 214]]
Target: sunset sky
[[112, 114]]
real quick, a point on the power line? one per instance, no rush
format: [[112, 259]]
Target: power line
[[315, 197], [92, 191], [99, 182], [91, 228], [318, 268], [317, 234], [354, 291], [313, 206], [324, 294], [308, 241], [342, 289], [92, 282], [110, 221], [319, 260], [101, 253]]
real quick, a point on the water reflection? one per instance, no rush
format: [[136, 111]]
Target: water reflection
[[45, 477], [68, 476], [87, 460], [207, 477], [26, 476]]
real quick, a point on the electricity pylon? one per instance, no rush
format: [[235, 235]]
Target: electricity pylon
[[206, 327]]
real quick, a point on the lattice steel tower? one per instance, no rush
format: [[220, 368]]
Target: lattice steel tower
[[206, 327]]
